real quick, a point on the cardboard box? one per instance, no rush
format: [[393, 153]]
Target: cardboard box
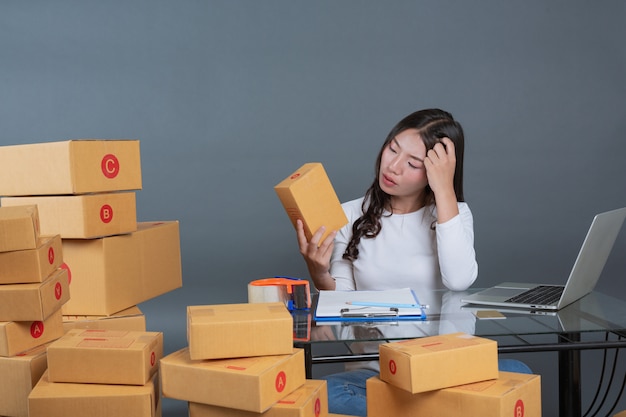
[[19, 336], [308, 194], [435, 362], [310, 400], [83, 216], [52, 399], [238, 330], [251, 384], [117, 272], [511, 394], [19, 228], [31, 265], [620, 414], [105, 357], [18, 376], [70, 167], [37, 301], [131, 319]]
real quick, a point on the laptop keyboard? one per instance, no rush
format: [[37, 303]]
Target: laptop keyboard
[[540, 295]]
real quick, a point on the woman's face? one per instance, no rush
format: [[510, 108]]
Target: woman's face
[[402, 173]]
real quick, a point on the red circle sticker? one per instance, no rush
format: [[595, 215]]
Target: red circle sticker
[[152, 359], [281, 381], [36, 329], [392, 367], [519, 409], [58, 290], [69, 272], [106, 213], [318, 407], [51, 256], [294, 176], [110, 166]]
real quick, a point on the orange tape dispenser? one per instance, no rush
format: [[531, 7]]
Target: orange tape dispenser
[[294, 292]]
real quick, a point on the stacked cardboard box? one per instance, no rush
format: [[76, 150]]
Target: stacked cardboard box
[[130, 319], [18, 375], [100, 372], [85, 192], [449, 375], [240, 361], [33, 288]]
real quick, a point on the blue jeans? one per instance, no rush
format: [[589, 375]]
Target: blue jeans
[[346, 390]]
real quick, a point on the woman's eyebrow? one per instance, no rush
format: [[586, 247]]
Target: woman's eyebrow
[[395, 142]]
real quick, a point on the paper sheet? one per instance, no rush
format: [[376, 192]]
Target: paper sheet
[[331, 303]]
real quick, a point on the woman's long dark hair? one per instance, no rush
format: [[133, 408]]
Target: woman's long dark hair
[[432, 126]]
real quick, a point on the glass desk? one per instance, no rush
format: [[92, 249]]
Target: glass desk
[[585, 324]]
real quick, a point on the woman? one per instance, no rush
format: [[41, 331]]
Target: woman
[[411, 229]]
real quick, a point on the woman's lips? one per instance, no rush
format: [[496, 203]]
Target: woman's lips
[[388, 181]]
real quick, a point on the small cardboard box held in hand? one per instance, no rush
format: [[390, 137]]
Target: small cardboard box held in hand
[[105, 357], [70, 167], [511, 394], [251, 384], [19, 227], [310, 400], [308, 195], [238, 330], [435, 362]]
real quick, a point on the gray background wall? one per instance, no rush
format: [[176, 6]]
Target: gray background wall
[[229, 97]]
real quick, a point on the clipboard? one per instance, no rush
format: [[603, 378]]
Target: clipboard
[[368, 306]]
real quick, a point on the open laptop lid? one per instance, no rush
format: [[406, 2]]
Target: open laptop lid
[[584, 275], [593, 255]]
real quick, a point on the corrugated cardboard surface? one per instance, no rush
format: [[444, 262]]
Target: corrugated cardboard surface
[[238, 330], [131, 319], [114, 273], [18, 375], [38, 301], [31, 265], [50, 399], [434, 362], [511, 394], [70, 167], [105, 357], [19, 336], [19, 227], [310, 400], [83, 216], [308, 194], [251, 384]]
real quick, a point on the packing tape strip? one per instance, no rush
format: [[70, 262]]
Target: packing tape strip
[[266, 294]]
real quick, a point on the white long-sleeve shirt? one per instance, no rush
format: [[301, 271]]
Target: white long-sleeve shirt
[[408, 253]]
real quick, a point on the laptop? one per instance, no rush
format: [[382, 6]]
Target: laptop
[[585, 273]]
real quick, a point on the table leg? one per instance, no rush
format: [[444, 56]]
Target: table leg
[[570, 398], [308, 360]]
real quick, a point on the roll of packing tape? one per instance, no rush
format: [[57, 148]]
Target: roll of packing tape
[[266, 293]]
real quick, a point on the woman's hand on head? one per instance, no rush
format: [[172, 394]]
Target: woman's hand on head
[[440, 163], [317, 255]]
